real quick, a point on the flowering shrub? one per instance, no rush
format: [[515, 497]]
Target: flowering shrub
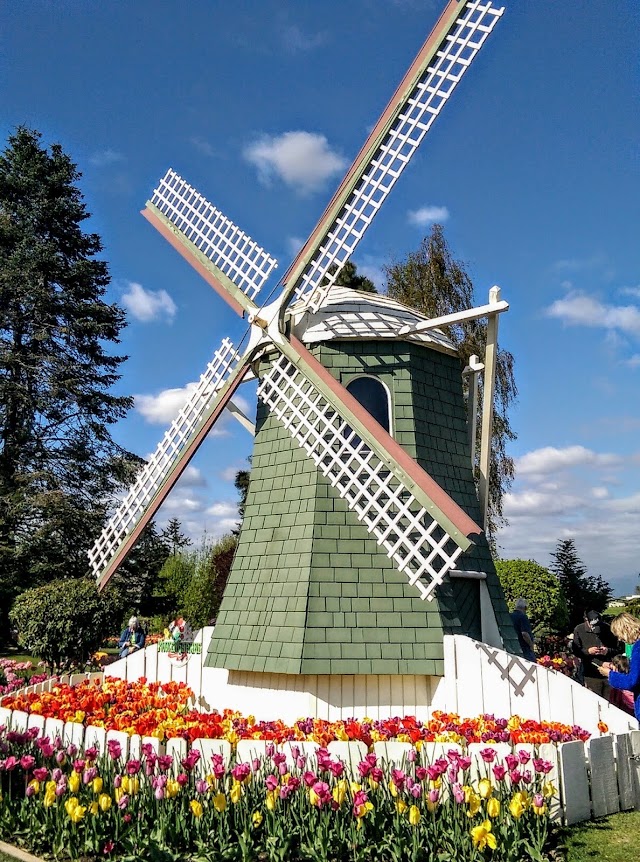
[[77, 804], [566, 664], [162, 710], [16, 674]]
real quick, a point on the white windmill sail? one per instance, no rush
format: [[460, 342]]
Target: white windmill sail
[[211, 236], [428, 85], [171, 456]]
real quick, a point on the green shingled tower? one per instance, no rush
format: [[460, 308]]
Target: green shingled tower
[[310, 591]]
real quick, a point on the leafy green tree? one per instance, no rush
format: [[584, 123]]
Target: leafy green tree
[[582, 592], [174, 537], [174, 579], [59, 466], [204, 593], [432, 282], [64, 621], [546, 605]]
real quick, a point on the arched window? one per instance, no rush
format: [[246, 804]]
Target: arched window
[[374, 397]]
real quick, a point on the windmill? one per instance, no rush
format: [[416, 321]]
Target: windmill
[[417, 530]]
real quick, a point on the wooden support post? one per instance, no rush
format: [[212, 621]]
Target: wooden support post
[[490, 359], [471, 371]]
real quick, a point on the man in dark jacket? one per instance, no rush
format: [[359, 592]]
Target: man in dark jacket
[[594, 644]]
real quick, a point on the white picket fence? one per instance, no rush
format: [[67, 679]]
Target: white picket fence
[[594, 779]]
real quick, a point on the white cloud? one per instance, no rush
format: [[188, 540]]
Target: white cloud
[[579, 264], [578, 309], [584, 501], [550, 460], [147, 305], [202, 145], [223, 509], [103, 158], [302, 160], [192, 478], [294, 244], [229, 474], [296, 41], [633, 361], [162, 408], [631, 291], [427, 215]]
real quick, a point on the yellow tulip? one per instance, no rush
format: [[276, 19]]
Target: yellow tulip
[[49, 798], [474, 805], [393, 789], [354, 787], [94, 808], [516, 808], [172, 788], [313, 796], [493, 807], [414, 815], [196, 808], [256, 819], [35, 784], [401, 806], [96, 784], [104, 801], [548, 790], [70, 804], [271, 800], [220, 802], [236, 792], [539, 810], [74, 782], [340, 791], [482, 836], [484, 788], [50, 786]]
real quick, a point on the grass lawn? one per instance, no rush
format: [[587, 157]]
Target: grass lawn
[[612, 839]]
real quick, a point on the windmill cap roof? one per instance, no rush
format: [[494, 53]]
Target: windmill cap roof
[[348, 313]]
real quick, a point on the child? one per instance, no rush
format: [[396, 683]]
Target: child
[[621, 698]]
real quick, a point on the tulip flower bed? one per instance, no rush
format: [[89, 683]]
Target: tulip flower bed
[[163, 711], [16, 674], [76, 804]]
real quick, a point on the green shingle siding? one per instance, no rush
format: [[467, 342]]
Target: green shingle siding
[[310, 591]]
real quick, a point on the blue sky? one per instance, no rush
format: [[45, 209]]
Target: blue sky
[[533, 167]]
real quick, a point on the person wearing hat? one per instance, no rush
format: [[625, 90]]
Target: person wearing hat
[[131, 639], [594, 644], [522, 626]]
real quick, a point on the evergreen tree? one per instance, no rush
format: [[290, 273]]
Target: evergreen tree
[[136, 580], [241, 483], [582, 592], [59, 467], [349, 278], [433, 283], [174, 537]]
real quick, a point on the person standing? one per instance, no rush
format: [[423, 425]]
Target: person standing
[[131, 639], [627, 628], [523, 629], [594, 643]]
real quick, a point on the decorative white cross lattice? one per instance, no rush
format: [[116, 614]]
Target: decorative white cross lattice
[[212, 233], [399, 523]]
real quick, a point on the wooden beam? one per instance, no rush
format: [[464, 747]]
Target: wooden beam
[[490, 361]]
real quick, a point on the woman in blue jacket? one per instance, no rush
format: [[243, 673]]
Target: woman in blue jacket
[[627, 629]]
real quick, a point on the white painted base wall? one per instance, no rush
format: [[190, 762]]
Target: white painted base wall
[[478, 679]]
